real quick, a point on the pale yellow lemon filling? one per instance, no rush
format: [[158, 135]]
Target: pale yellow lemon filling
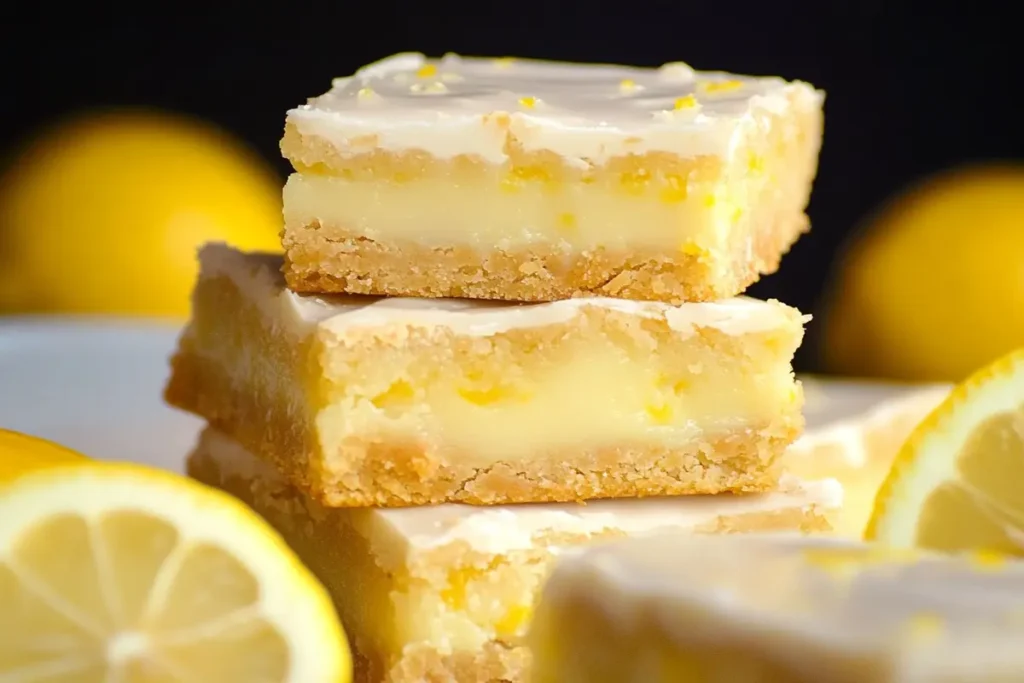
[[483, 213], [471, 607], [589, 394], [457, 608], [590, 391]]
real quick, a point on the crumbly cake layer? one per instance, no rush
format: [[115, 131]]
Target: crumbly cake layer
[[446, 592], [571, 180], [679, 608], [409, 401]]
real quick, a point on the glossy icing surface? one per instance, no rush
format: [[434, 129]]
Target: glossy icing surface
[[820, 609], [259, 274], [585, 113]]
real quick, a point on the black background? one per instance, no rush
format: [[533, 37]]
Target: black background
[[913, 87]]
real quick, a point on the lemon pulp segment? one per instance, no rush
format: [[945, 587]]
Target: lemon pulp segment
[[956, 483]]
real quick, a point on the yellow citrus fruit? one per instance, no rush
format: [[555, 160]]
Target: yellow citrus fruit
[[118, 572], [930, 289], [20, 453], [105, 213], [956, 483]]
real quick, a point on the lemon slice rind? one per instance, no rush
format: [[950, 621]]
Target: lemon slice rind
[[929, 457]]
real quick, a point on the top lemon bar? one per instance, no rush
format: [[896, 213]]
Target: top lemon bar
[[536, 181]]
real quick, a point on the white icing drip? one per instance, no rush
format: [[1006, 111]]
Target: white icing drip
[[343, 314], [585, 113]]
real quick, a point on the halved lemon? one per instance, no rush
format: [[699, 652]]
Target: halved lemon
[[958, 482], [121, 573]]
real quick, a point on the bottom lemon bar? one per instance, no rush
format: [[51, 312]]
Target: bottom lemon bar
[[678, 608], [854, 431], [446, 592]]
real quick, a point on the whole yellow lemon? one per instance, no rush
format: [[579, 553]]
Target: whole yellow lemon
[[933, 287], [104, 213]]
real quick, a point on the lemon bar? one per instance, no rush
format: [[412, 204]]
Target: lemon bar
[[446, 592], [369, 401], [673, 608], [854, 431], [536, 181]]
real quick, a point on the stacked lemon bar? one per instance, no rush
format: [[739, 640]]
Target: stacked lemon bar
[[665, 609], [508, 288]]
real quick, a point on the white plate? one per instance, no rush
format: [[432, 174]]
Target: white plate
[[96, 386], [93, 385]]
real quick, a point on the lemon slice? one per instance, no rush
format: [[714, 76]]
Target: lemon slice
[[957, 482], [118, 573]]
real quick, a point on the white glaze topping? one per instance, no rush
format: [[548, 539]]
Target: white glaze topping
[[585, 113], [500, 529], [806, 601], [259, 276]]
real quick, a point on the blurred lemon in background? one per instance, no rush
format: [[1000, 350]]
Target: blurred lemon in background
[[933, 287], [104, 213]]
